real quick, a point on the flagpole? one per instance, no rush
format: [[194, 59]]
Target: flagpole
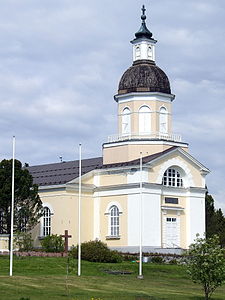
[[140, 275], [79, 216], [12, 209]]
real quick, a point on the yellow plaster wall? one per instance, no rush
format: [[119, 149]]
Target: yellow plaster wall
[[65, 206], [113, 179], [127, 152], [4, 243]]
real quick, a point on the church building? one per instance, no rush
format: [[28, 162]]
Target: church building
[[145, 173]]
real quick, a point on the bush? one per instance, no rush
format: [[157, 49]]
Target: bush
[[173, 262], [157, 260], [52, 243], [96, 251], [24, 241]]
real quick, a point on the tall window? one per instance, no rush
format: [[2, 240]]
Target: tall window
[[144, 120], [114, 221], [150, 52], [138, 52], [126, 121], [46, 221], [163, 120], [172, 178]]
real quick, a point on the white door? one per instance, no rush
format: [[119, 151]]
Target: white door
[[172, 233]]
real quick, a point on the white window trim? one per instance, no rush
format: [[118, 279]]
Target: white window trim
[[164, 115], [107, 213], [48, 205], [126, 116], [174, 177], [181, 166], [140, 115]]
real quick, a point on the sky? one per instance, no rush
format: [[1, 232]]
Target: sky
[[61, 62]]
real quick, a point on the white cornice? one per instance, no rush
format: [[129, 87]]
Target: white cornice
[[140, 96], [186, 155], [144, 142], [51, 187], [172, 208]]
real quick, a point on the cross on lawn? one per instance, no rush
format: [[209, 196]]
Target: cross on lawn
[[66, 237]]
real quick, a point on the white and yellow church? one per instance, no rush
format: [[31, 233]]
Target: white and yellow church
[[144, 166]]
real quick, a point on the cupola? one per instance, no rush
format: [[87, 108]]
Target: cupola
[[144, 75], [144, 105]]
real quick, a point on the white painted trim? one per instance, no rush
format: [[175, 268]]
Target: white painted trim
[[116, 204], [172, 208], [148, 96], [49, 206], [145, 142], [178, 164], [186, 155], [96, 180], [49, 187]]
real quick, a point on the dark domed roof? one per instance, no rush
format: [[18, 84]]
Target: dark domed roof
[[144, 76]]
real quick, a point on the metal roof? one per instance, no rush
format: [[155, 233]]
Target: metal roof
[[63, 172], [60, 173]]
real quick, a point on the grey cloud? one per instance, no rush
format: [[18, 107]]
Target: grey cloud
[[60, 63]]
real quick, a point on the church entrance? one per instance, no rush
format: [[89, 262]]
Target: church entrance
[[172, 232]]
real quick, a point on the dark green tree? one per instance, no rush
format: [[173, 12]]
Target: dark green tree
[[28, 206], [215, 220]]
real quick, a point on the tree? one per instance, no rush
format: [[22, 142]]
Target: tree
[[206, 264], [28, 206], [215, 220]]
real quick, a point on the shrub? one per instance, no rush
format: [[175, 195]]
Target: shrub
[[96, 251], [52, 243], [24, 241], [173, 262], [157, 260]]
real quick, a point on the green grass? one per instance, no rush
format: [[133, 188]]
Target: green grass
[[39, 278]]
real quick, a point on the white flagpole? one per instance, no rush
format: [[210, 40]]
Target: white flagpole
[[140, 276], [79, 216], [12, 209]]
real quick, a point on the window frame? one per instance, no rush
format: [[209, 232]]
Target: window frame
[[46, 222], [144, 120], [172, 178], [126, 121], [163, 120]]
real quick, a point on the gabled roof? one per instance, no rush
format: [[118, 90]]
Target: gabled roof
[[63, 172], [60, 173]]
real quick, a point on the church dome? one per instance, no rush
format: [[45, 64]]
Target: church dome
[[144, 76]]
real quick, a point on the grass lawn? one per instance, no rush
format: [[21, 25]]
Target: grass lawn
[[40, 278]]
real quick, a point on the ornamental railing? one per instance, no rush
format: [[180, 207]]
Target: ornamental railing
[[149, 136]]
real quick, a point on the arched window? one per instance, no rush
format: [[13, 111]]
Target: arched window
[[150, 52], [172, 178], [138, 52], [144, 120], [114, 220], [126, 121], [163, 120], [46, 221]]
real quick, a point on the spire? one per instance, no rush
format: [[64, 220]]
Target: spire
[[143, 32]]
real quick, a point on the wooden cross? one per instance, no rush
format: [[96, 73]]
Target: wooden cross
[[66, 237]]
